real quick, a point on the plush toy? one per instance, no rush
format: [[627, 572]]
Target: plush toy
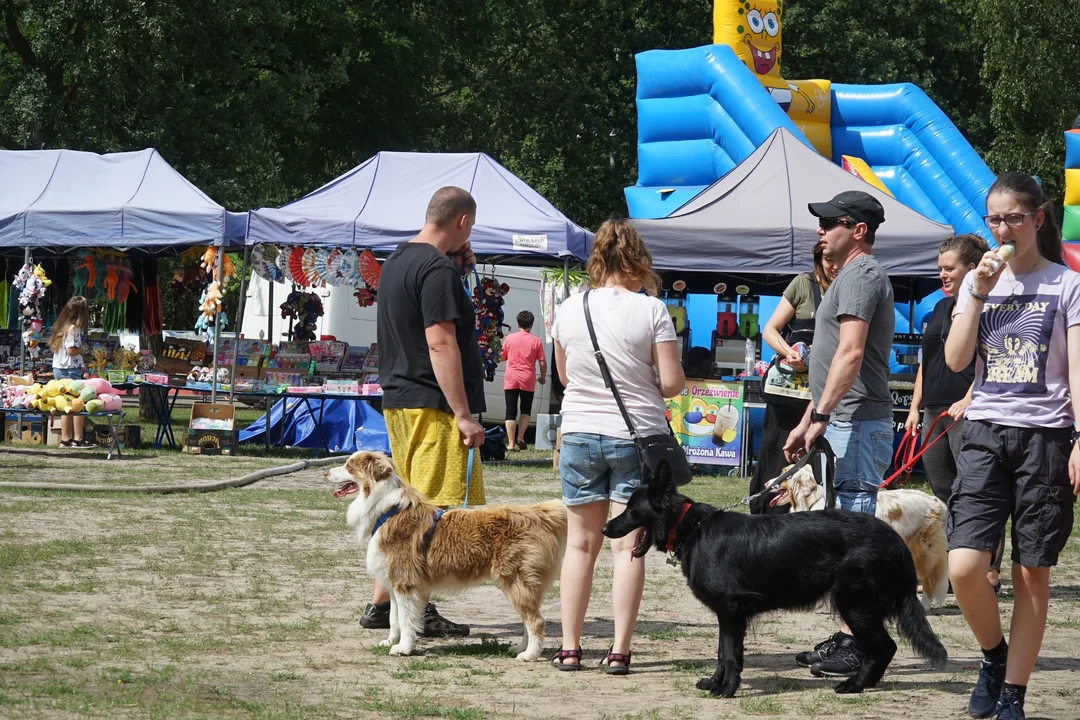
[[87, 394], [365, 297], [95, 406], [62, 403], [77, 405], [98, 385], [488, 302], [100, 362], [111, 402]]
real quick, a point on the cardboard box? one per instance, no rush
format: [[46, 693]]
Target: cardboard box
[[179, 355], [211, 442], [33, 429]]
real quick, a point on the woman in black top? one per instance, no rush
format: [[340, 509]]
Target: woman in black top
[[942, 389]]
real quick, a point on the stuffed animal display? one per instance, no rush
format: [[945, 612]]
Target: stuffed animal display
[[63, 396], [31, 283], [204, 374], [488, 301], [305, 309]]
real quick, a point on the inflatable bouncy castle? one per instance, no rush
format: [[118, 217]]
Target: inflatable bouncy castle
[[1070, 221], [704, 110]]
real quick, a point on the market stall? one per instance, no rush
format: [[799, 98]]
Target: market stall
[[741, 240], [325, 248], [91, 225]]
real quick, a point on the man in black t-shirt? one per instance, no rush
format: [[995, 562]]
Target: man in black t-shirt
[[430, 371]]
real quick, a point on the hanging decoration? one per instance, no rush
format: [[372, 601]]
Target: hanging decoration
[[488, 301], [305, 308], [210, 301], [31, 283], [553, 284]]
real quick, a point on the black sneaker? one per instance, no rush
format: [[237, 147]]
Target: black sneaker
[[844, 661], [1010, 706], [984, 698], [376, 616], [436, 626], [821, 651]]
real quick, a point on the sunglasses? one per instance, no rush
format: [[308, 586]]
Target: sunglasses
[[1013, 220], [827, 224]]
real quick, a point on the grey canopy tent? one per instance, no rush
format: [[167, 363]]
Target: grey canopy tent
[[754, 220], [58, 199], [381, 203]]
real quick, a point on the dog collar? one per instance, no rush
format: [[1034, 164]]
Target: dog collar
[[384, 517], [670, 546]]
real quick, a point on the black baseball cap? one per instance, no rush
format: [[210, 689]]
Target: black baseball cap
[[856, 204]]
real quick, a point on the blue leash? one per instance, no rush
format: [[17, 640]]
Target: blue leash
[[468, 476]]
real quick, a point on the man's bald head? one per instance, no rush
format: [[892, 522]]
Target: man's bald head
[[447, 206]]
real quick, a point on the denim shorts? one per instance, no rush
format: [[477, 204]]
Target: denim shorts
[[68, 373], [596, 468], [863, 451]]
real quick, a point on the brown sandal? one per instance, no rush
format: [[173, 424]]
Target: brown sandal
[[611, 657], [560, 655]]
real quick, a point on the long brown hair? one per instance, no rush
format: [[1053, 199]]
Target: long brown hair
[[619, 253], [820, 273], [1028, 191], [75, 313]]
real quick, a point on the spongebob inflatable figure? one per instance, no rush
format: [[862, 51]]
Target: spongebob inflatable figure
[[754, 30]]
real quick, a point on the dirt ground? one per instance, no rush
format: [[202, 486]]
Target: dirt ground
[[253, 595]]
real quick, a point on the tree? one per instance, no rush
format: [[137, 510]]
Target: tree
[[1032, 72]]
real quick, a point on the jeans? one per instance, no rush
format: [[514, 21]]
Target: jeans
[[863, 450], [597, 468]]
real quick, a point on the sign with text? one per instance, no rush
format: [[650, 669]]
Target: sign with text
[[707, 421]]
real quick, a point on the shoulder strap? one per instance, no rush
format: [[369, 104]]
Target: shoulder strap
[[604, 372]]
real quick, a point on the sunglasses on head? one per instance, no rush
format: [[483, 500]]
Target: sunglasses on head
[[829, 223]]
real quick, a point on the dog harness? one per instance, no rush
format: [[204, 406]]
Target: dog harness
[[395, 510]]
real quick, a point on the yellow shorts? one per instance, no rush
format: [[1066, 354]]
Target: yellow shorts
[[430, 456]]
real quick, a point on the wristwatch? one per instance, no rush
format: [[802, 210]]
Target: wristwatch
[[816, 417], [1075, 438]]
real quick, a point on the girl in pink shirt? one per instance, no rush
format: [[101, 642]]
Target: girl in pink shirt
[[521, 351]]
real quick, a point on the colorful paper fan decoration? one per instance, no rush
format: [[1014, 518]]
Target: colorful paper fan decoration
[[282, 263], [296, 266], [322, 267], [333, 264], [258, 263], [370, 269], [307, 264], [350, 269], [270, 255]]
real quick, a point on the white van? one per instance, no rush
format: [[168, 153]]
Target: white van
[[348, 322]]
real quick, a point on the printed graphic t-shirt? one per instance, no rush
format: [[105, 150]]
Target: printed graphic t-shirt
[[1022, 362], [522, 351], [627, 326], [419, 287]]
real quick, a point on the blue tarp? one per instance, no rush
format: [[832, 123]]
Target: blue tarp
[[65, 198], [381, 203], [347, 425]]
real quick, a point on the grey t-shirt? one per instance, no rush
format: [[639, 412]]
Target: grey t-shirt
[[862, 290]]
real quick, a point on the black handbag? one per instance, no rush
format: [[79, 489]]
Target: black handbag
[[653, 450]]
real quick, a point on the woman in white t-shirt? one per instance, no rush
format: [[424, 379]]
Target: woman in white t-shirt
[[598, 461], [66, 345]]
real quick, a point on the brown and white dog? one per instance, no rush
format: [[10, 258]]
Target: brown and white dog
[[916, 516], [413, 552]]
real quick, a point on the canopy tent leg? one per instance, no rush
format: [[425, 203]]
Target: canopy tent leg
[[270, 311], [22, 353], [217, 326], [239, 319]]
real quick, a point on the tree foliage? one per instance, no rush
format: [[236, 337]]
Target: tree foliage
[[260, 101]]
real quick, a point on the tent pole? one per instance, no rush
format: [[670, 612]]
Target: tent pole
[[566, 275], [22, 352], [217, 325], [240, 319], [270, 312]]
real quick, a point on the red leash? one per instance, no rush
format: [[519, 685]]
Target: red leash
[[906, 450]]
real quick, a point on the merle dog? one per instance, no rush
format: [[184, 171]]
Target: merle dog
[[742, 565]]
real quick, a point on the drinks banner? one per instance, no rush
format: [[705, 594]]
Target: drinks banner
[[707, 421]]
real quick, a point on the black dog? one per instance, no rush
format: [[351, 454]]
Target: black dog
[[740, 566]]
